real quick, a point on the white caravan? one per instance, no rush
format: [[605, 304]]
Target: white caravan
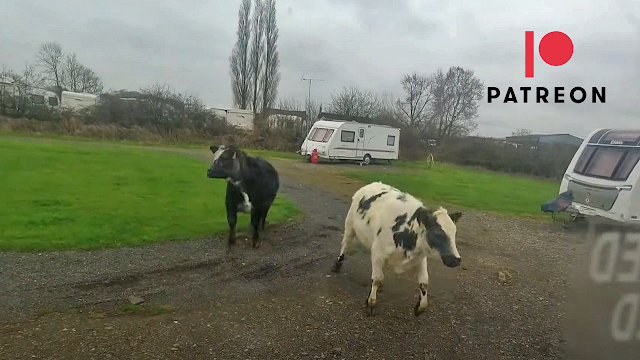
[[350, 140], [239, 118], [604, 176], [77, 101]]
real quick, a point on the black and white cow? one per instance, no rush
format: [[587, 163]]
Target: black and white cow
[[252, 185], [399, 232]]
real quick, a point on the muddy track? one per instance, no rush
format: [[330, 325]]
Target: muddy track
[[282, 301]]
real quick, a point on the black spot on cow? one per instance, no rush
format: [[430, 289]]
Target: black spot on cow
[[379, 231], [400, 220], [365, 204], [422, 215], [402, 197], [437, 239], [405, 239], [368, 221]]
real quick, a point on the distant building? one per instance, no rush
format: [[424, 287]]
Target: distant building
[[550, 139]]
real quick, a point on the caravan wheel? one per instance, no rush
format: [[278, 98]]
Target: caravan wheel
[[367, 159]]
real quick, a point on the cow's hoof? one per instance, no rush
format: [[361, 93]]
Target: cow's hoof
[[370, 308], [417, 311], [255, 245]]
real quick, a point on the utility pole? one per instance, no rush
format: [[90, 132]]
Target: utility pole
[[309, 100]]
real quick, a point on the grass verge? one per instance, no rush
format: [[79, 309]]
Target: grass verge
[[75, 195], [466, 187]]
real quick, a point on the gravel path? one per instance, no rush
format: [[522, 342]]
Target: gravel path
[[282, 302]]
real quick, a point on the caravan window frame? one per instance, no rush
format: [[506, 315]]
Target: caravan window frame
[[620, 171], [393, 138], [37, 99], [350, 133], [326, 136]]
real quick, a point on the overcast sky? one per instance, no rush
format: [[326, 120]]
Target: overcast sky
[[367, 43]]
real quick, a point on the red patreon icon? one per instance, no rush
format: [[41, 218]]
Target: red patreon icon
[[556, 48]]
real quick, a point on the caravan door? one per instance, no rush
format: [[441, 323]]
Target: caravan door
[[360, 143]]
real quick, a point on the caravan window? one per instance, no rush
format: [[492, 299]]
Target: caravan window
[[391, 140], [53, 101], [321, 135], [611, 163], [627, 165], [37, 99], [327, 136], [347, 136], [604, 162]]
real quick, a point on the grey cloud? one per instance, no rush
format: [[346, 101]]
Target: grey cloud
[[366, 43]]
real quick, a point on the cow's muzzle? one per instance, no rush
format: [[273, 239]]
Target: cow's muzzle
[[213, 174], [451, 261]]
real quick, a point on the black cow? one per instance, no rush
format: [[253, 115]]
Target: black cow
[[252, 185]]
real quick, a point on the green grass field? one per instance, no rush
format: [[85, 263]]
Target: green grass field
[[467, 187], [77, 195]]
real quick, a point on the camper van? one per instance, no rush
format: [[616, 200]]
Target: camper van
[[604, 176], [350, 140], [77, 101]]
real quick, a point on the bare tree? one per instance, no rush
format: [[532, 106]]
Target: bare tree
[[51, 58], [257, 52], [157, 98], [24, 84], [271, 78], [456, 100], [72, 70], [239, 60], [79, 78], [521, 132], [304, 124], [353, 101], [89, 81], [415, 108]]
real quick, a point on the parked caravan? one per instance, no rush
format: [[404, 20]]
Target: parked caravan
[[350, 140], [43, 97], [77, 101], [604, 176], [242, 119], [7, 87]]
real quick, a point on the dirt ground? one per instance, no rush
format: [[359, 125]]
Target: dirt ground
[[281, 301]]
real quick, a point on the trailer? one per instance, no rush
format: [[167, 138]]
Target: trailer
[[603, 177], [351, 140], [77, 101]]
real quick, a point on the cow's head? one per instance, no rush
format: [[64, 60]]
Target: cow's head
[[228, 162], [441, 233]]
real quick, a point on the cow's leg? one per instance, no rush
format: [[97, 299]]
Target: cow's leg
[[346, 239], [263, 221], [232, 214], [423, 284], [377, 276], [256, 218]]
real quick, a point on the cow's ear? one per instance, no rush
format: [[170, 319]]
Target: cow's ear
[[455, 216], [213, 148], [424, 217]]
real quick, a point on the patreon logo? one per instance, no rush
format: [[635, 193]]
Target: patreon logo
[[555, 49]]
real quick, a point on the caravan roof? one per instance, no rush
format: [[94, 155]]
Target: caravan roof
[[334, 124], [80, 95]]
